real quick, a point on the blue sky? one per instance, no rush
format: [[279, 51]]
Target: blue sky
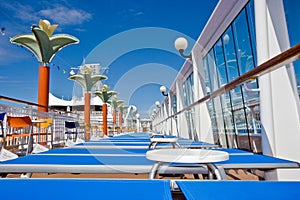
[[133, 38]]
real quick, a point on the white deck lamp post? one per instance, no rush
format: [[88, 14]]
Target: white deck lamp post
[[163, 89], [181, 44], [157, 104]]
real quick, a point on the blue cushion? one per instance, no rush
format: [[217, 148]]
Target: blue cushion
[[84, 189], [239, 190]]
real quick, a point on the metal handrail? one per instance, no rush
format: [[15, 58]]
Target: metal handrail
[[26, 102], [284, 58]]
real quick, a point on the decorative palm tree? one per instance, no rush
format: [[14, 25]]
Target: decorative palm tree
[[105, 95], [115, 103], [44, 46], [87, 80]]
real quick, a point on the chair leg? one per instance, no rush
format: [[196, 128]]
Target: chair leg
[[30, 145], [154, 169], [75, 137], [2, 143], [196, 176], [149, 147]]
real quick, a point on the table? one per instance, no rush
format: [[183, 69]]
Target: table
[[188, 156], [155, 141], [154, 135]]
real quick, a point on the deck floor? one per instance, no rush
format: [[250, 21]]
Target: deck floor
[[233, 174]]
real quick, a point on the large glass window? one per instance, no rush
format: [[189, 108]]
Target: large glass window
[[188, 94], [211, 85], [174, 104], [291, 8], [235, 116], [245, 113], [233, 96], [188, 90]]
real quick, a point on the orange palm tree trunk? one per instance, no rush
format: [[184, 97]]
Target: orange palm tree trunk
[[43, 88], [120, 119], [114, 117], [87, 110], [104, 118]]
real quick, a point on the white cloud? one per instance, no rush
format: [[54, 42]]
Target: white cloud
[[128, 16], [130, 13], [23, 12], [65, 16], [60, 14], [138, 14], [80, 29]]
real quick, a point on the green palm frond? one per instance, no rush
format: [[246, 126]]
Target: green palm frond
[[91, 80], [29, 42], [86, 80], [109, 94], [41, 43], [105, 95], [44, 44], [122, 107], [59, 41], [116, 103], [119, 102], [99, 94], [79, 78]]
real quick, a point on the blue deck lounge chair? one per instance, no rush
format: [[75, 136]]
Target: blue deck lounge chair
[[84, 189], [121, 160], [246, 190], [71, 130], [96, 157]]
